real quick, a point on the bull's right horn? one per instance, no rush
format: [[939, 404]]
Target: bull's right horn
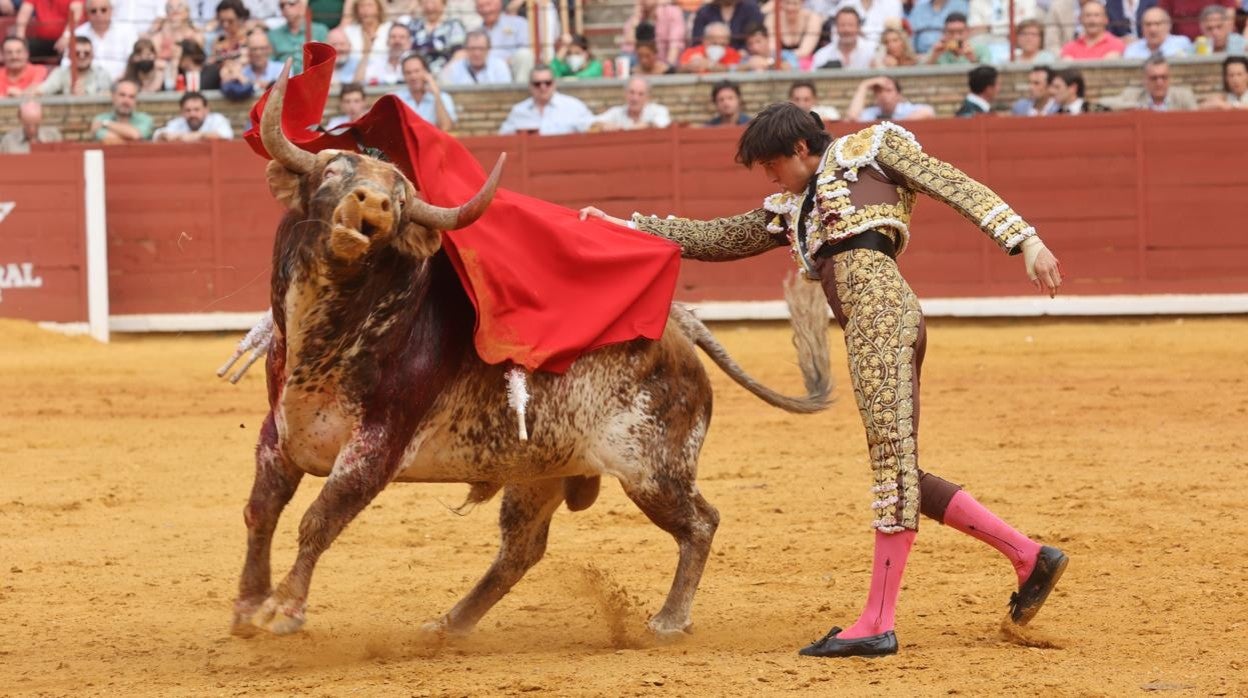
[[461, 216], [291, 156]]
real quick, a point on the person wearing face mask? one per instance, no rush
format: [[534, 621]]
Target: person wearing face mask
[[573, 59], [713, 55], [144, 68]]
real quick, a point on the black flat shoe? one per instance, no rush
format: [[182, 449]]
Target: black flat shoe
[[832, 646], [1026, 602]]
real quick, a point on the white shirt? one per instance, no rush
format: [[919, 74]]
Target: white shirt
[[140, 15], [652, 116], [495, 72], [995, 14], [563, 114], [380, 72], [356, 36], [859, 58], [213, 123], [873, 18], [426, 108], [112, 51]]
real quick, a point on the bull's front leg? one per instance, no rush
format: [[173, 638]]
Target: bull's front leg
[[275, 483], [362, 470]]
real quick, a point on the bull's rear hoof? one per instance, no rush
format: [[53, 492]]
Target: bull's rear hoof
[[667, 633], [441, 630]]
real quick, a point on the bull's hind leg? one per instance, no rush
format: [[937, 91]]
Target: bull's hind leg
[[524, 521], [362, 470], [672, 501], [274, 485]]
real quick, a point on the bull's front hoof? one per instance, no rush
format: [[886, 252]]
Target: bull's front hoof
[[667, 631], [279, 618], [243, 612]]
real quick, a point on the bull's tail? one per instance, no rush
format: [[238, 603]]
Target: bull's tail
[[809, 316]]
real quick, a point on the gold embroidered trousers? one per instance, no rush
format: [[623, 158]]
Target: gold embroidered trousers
[[885, 338]]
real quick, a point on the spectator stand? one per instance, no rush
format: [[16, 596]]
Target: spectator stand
[[482, 108]]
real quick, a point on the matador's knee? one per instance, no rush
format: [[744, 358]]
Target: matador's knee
[[934, 495]]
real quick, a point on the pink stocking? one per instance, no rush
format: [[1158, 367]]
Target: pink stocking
[[891, 551], [970, 517]]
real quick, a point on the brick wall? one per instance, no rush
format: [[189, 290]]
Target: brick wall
[[482, 109]]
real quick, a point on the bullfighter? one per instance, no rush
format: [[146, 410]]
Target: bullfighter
[[844, 211]]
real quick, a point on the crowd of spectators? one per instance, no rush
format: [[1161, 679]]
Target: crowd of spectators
[[128, 48]]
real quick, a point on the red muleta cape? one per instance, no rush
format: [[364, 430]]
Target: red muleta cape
[[547, 287]]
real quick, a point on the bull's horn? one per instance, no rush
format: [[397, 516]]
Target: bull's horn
[[461, 216], [294, 158]]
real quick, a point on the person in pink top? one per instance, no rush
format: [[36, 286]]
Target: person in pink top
[[1095, 43], [669, 29]]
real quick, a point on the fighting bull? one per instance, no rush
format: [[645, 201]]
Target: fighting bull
[[372, 377]]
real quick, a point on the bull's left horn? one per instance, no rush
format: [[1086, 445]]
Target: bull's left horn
[[461, 216], [291, 156]]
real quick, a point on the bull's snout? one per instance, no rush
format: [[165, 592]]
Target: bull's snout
[[362, 214], [366, 211]]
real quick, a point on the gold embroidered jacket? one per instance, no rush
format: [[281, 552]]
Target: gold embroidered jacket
[[846, 204]]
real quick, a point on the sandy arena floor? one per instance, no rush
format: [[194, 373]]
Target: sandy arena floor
[[125, 468]]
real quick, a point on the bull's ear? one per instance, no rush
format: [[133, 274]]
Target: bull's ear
[[285, 185], [417, 240]]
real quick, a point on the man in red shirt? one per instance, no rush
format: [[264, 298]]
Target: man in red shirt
[[1186, 14], [42, 24], [1095, 43], [713, 55], [19, 75]]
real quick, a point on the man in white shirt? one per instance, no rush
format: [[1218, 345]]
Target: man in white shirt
[[478, 66], [422, 94], [875, 15], [388, 69], [848, 49], [113, 41], [547, 112], [196, 123], [637, 112]]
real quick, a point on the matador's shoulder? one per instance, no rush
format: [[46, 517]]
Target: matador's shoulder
[[863, 149]]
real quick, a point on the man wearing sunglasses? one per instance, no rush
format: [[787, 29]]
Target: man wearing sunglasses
[[113, 41], [288, 39], [92, 79], [546, 112]]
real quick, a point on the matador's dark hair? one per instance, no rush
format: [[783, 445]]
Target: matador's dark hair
[[776, 131]]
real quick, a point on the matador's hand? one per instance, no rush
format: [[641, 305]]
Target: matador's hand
[[595, 212], [1042, 266]]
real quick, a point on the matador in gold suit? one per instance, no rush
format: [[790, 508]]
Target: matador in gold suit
[[844, 213]]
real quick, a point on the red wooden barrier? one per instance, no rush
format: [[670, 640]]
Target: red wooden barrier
[[1132, 203], [43, 268]]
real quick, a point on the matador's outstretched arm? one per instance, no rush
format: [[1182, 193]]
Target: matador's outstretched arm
[[903, 160], [900, 156], [716, 240]]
